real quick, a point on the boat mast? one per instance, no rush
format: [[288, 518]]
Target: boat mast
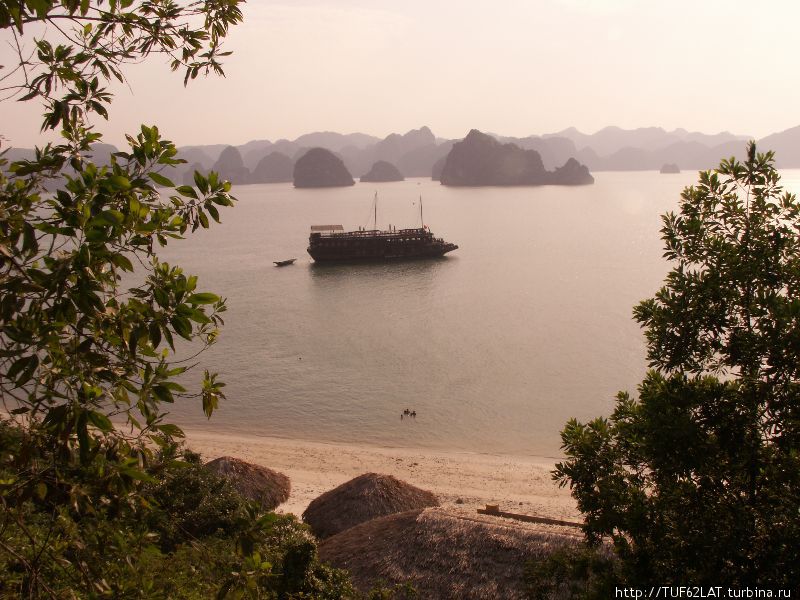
[[421, 221], [375, 207]]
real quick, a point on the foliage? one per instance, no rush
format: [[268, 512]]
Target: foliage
[[572, 573], [192, 502], [95, 330], [94, 39], [384, 591], [698, 480], [145, 550]]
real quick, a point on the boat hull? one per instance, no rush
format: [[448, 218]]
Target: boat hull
[[366, 246]]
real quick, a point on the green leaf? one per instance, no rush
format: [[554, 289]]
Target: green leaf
[[22, 370], [112, 217], [101, 421], [203, 298], [161, 180], [198, 316], [212, 210], [155, 334], [118, 181], [171, 430], [182, 326], [29, 243], [201, 182], [162, 393], [133, 339], [122, 262], [187, 190]]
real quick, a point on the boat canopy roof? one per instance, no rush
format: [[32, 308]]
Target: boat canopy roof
[[326, 228]]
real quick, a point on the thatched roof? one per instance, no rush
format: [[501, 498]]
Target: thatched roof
[[361, 499], [254, 482], [445, 555]]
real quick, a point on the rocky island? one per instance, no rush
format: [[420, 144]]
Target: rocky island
[[669, 169], [570, 173], [321, 168], [480, 160], [230, 166], [275, 167], [383, 171]]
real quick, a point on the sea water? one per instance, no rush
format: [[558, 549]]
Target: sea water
[[495, 346]]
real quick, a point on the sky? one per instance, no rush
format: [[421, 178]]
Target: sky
[[512, 67]]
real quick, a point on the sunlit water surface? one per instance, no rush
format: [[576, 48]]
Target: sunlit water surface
[[495, 346]]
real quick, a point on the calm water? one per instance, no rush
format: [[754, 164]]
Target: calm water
[[495, 346]]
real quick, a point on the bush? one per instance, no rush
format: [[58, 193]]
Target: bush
[[697, 481], [191, 502], [580, 573]]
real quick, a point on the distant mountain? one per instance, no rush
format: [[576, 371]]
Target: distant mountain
[[393, 146], [209, 152], [611, 140], [230, 166], [438, 167], [335, 141], [413, 152], [570, 173], [686, 154], [100, 153], [416, 152], [419, 153], [786, 145], [319, 168], [479, 159], [254, 151], [199, 155], [382, 171], [15, 154], [553, 150], [419, 162], [273, 168]]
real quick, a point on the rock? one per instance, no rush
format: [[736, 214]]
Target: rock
[[571, 173], [438, 167], [459, 501], [275, 167], [669, 169], [479, 159], [230, 166], [321, 168], [383, 171]]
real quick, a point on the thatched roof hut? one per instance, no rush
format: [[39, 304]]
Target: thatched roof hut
[[445, 555], [361, 499], [254, 482]]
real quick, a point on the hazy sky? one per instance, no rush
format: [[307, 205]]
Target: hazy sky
[[506, 66]]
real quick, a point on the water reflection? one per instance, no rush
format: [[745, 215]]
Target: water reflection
[[426, 269]]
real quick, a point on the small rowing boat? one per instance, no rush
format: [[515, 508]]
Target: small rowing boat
[[284, 263]]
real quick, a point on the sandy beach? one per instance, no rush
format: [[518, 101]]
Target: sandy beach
[[517, 484]]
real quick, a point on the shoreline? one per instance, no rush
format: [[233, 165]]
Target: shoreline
[[517, 484]]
